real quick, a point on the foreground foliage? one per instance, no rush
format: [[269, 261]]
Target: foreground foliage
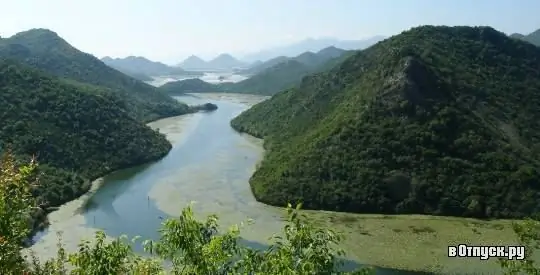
[[187, 246], [192, 246], [436, 120], [76, 133]]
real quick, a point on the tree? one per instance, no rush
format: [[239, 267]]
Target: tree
[[16, 204], [192, 246]]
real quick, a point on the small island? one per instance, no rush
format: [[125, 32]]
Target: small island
[[208, 107]]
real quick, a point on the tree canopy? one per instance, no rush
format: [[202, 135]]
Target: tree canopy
[[78, 132], [45, 50], [435, 120]]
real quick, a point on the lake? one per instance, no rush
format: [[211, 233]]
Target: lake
[[210, 77]]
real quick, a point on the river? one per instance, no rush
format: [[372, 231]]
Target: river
[[209, 164]]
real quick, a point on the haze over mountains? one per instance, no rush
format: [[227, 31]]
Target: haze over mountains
[[137, 66], [533, 37], [267, 78], [221, 62], [312, 45]]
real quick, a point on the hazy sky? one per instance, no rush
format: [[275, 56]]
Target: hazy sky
[[168, 30]]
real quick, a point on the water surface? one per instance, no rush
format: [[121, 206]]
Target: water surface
[[209, 164], [210, 77]]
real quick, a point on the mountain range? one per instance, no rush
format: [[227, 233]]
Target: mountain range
[[268, 77], [307, 58], [312, 45], [436, 120], [533, 37], [281, 73], [138, 67], [221, 62]]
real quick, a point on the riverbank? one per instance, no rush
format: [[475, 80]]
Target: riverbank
[[406, 242], [211, 164], [67, 222], [245, 99]]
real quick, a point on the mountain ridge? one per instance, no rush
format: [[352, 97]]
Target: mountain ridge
[[45, 50], [138, 65], [389, 128], [533, 37], [313, 45], [223, 61], [281, 73]]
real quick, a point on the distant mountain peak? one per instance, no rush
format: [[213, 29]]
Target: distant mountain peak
[[41, 40], [314, 45], [224, 57], [533, 37], [39, 31], [194, 57]]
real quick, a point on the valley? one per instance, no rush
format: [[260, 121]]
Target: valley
[[395, 147], [213, 173]]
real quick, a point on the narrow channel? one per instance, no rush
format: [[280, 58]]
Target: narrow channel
[[210, 164]]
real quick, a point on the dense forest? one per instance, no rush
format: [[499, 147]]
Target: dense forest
[[435, 120], [76, 132], [45, 50], [193, 85], [287, 73]]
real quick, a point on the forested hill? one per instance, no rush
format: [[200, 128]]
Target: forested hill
[[194, 85], [287, 73], [45, 50], [436, 120], [76, 131]]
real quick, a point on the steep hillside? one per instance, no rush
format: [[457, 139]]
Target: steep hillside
[[330, 52], [45, 50], [194, 85], [271, 80], [436, 120], [287, 73], [137, 65], [265, 65], [76, 131], [309, 59]]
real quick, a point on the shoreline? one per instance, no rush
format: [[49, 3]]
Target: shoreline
[[41, 221], [401, 242], [414, 242]]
